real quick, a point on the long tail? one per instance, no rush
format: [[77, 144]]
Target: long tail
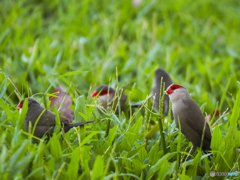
[[80, 124]]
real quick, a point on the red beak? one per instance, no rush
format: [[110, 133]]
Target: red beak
[[94, 94], [169, 91]]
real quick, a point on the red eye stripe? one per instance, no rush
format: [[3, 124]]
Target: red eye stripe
[[20, 105], [103, 92], [175, 86], [172, 88]]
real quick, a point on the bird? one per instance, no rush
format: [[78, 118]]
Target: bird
[[160, 73], [65, 109], [192, 121], [107, 97], [46, 122]]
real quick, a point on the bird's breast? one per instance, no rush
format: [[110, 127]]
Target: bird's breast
[[179, 111]]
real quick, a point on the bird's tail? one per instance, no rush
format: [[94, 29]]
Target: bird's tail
[[80, 124]]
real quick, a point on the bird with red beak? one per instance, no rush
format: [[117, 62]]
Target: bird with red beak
[[47, 121], [192, 121], [106, 97], [166, 79]]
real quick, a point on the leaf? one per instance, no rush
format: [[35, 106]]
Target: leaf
[[20, 122], [3, 88], [112, 135], [153, 155], [80, 107], [15, 158], [6, 109], [234, 117], [152, 131], [134, 152], [38, 162], [86, 139], [97, 172], [130, 138], [73, 165], [216, 138], [157, 166], [142, 154], [137, 166], [74, 73], [57, 127], [163, 170], [83, 116], [192, 171], [22, 164], [121, 175], [184, 176], [55, 147]]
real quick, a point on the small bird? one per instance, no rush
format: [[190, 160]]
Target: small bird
[[160, 73], [47, 120], [107, 97], [67, 112], [190, 116]]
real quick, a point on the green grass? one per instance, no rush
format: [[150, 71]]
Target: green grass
[[78, 45]]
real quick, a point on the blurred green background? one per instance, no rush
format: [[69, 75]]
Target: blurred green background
[[196, 42]]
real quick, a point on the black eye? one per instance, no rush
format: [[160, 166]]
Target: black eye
[[174, 87], [101, 93]]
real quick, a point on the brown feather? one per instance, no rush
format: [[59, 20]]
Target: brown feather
[[67, 112], [191, 119]]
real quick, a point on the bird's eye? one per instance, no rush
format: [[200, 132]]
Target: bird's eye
[[21, 104], [103, 92], [175, 87]]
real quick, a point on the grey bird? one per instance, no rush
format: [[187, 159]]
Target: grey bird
[[190, 116], [47, 120], [160, 73], [107, 96]]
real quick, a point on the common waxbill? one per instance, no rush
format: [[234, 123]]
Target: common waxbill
[[191, 118], [47, 121], [160, 73], [106, 97], [67, 112]]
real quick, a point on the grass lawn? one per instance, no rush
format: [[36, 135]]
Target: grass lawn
[[82, 44]]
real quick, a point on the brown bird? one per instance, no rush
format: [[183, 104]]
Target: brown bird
[[160, 73], [107, 97], [190, 116], [67, 112], [47, 121]]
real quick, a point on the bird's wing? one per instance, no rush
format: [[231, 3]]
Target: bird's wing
[[48, 119], [195, 118]]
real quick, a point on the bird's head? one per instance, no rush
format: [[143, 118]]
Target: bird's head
[[160, 73], [104, 94], [103, 90], [172, 88], [176, 92], [30, 102]]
